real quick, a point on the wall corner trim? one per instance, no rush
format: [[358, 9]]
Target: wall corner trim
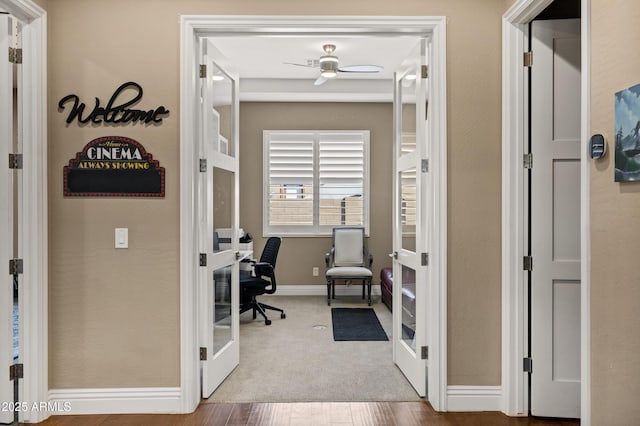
[[166, 400], [474, 398]]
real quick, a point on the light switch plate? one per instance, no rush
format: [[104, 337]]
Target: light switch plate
[[122, 237]]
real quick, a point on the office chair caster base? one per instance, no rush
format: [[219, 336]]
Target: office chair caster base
[[267, 322]]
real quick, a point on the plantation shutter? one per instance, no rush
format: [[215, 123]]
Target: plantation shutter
[[290, 179], [314, 181], [341, 172], [409, 182]]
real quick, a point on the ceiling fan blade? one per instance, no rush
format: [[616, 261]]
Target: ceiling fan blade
[[299, 65], [320, 80], [361, 68]]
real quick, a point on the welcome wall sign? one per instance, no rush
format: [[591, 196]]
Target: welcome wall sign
[[114, 166], [117, 110]]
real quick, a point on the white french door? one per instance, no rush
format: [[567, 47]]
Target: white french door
[[10, 216], [219, 216], [555, 219], [6, 219], [410, 217]]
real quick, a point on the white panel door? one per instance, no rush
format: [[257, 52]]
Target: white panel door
[[6, 219], [555, 219], [219, 229], [410, 239]]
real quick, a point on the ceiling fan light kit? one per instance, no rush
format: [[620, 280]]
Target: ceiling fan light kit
[[328, 73], [328, 64]]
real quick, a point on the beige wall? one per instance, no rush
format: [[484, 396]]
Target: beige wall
[[299, 255], [509, 3], [114, 317], [615, 233], [113, 314]]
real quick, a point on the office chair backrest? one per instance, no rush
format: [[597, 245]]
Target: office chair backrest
[[270, 251], [349, 246], [216, 241]]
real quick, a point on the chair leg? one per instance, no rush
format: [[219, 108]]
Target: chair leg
[[369, 291], [363, 284], [273, 308], [328, 293], [258, 307]]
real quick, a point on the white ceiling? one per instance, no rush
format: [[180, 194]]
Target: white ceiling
[[264, 76]]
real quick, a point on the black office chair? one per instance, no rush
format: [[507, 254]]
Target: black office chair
[[264, 281]]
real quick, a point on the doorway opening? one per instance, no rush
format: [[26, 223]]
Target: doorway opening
[[530, 163], [269, 26]]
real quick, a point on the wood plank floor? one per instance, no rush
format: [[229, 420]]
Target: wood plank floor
[[309, 414]]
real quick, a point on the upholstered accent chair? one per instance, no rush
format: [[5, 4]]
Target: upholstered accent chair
[[348, 259]]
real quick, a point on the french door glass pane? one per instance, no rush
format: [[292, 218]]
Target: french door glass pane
[[223, 192], [408, 118], [408, 186], [222, 331], [409, 306], [223, 106]]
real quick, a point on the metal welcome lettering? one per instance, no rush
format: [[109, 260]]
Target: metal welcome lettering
[[116, 111]]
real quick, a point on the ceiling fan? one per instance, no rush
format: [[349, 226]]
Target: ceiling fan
[[328, 64]]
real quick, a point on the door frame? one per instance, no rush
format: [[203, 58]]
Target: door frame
[[515, 393], [191, 27], [33, 216]]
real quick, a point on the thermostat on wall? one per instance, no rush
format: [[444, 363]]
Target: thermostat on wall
[[597, 146]]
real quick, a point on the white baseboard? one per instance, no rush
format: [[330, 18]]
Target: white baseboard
[[115, 401], [474, 398], [321, 290]]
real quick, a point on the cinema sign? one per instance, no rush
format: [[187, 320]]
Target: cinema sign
[[114, 166]]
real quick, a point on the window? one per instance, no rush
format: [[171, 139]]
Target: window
[[315, 180]]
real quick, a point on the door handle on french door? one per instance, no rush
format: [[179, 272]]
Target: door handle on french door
[[394, 255], [238, 255]]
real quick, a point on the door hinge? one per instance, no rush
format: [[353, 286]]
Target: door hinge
[[424, 71], [203, 165], [15, 55], [527, 263], [527, 365], [528, 59], [203, 259], [15, 161], [15, 266], [16, 371], [203, 71], [203, 354], [424, 352], [528, 161], [425, 259], [425, 166]]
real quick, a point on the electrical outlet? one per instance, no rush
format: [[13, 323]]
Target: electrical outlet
[[316, 271]]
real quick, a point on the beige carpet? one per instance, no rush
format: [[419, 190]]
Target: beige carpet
[[296, 360]]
